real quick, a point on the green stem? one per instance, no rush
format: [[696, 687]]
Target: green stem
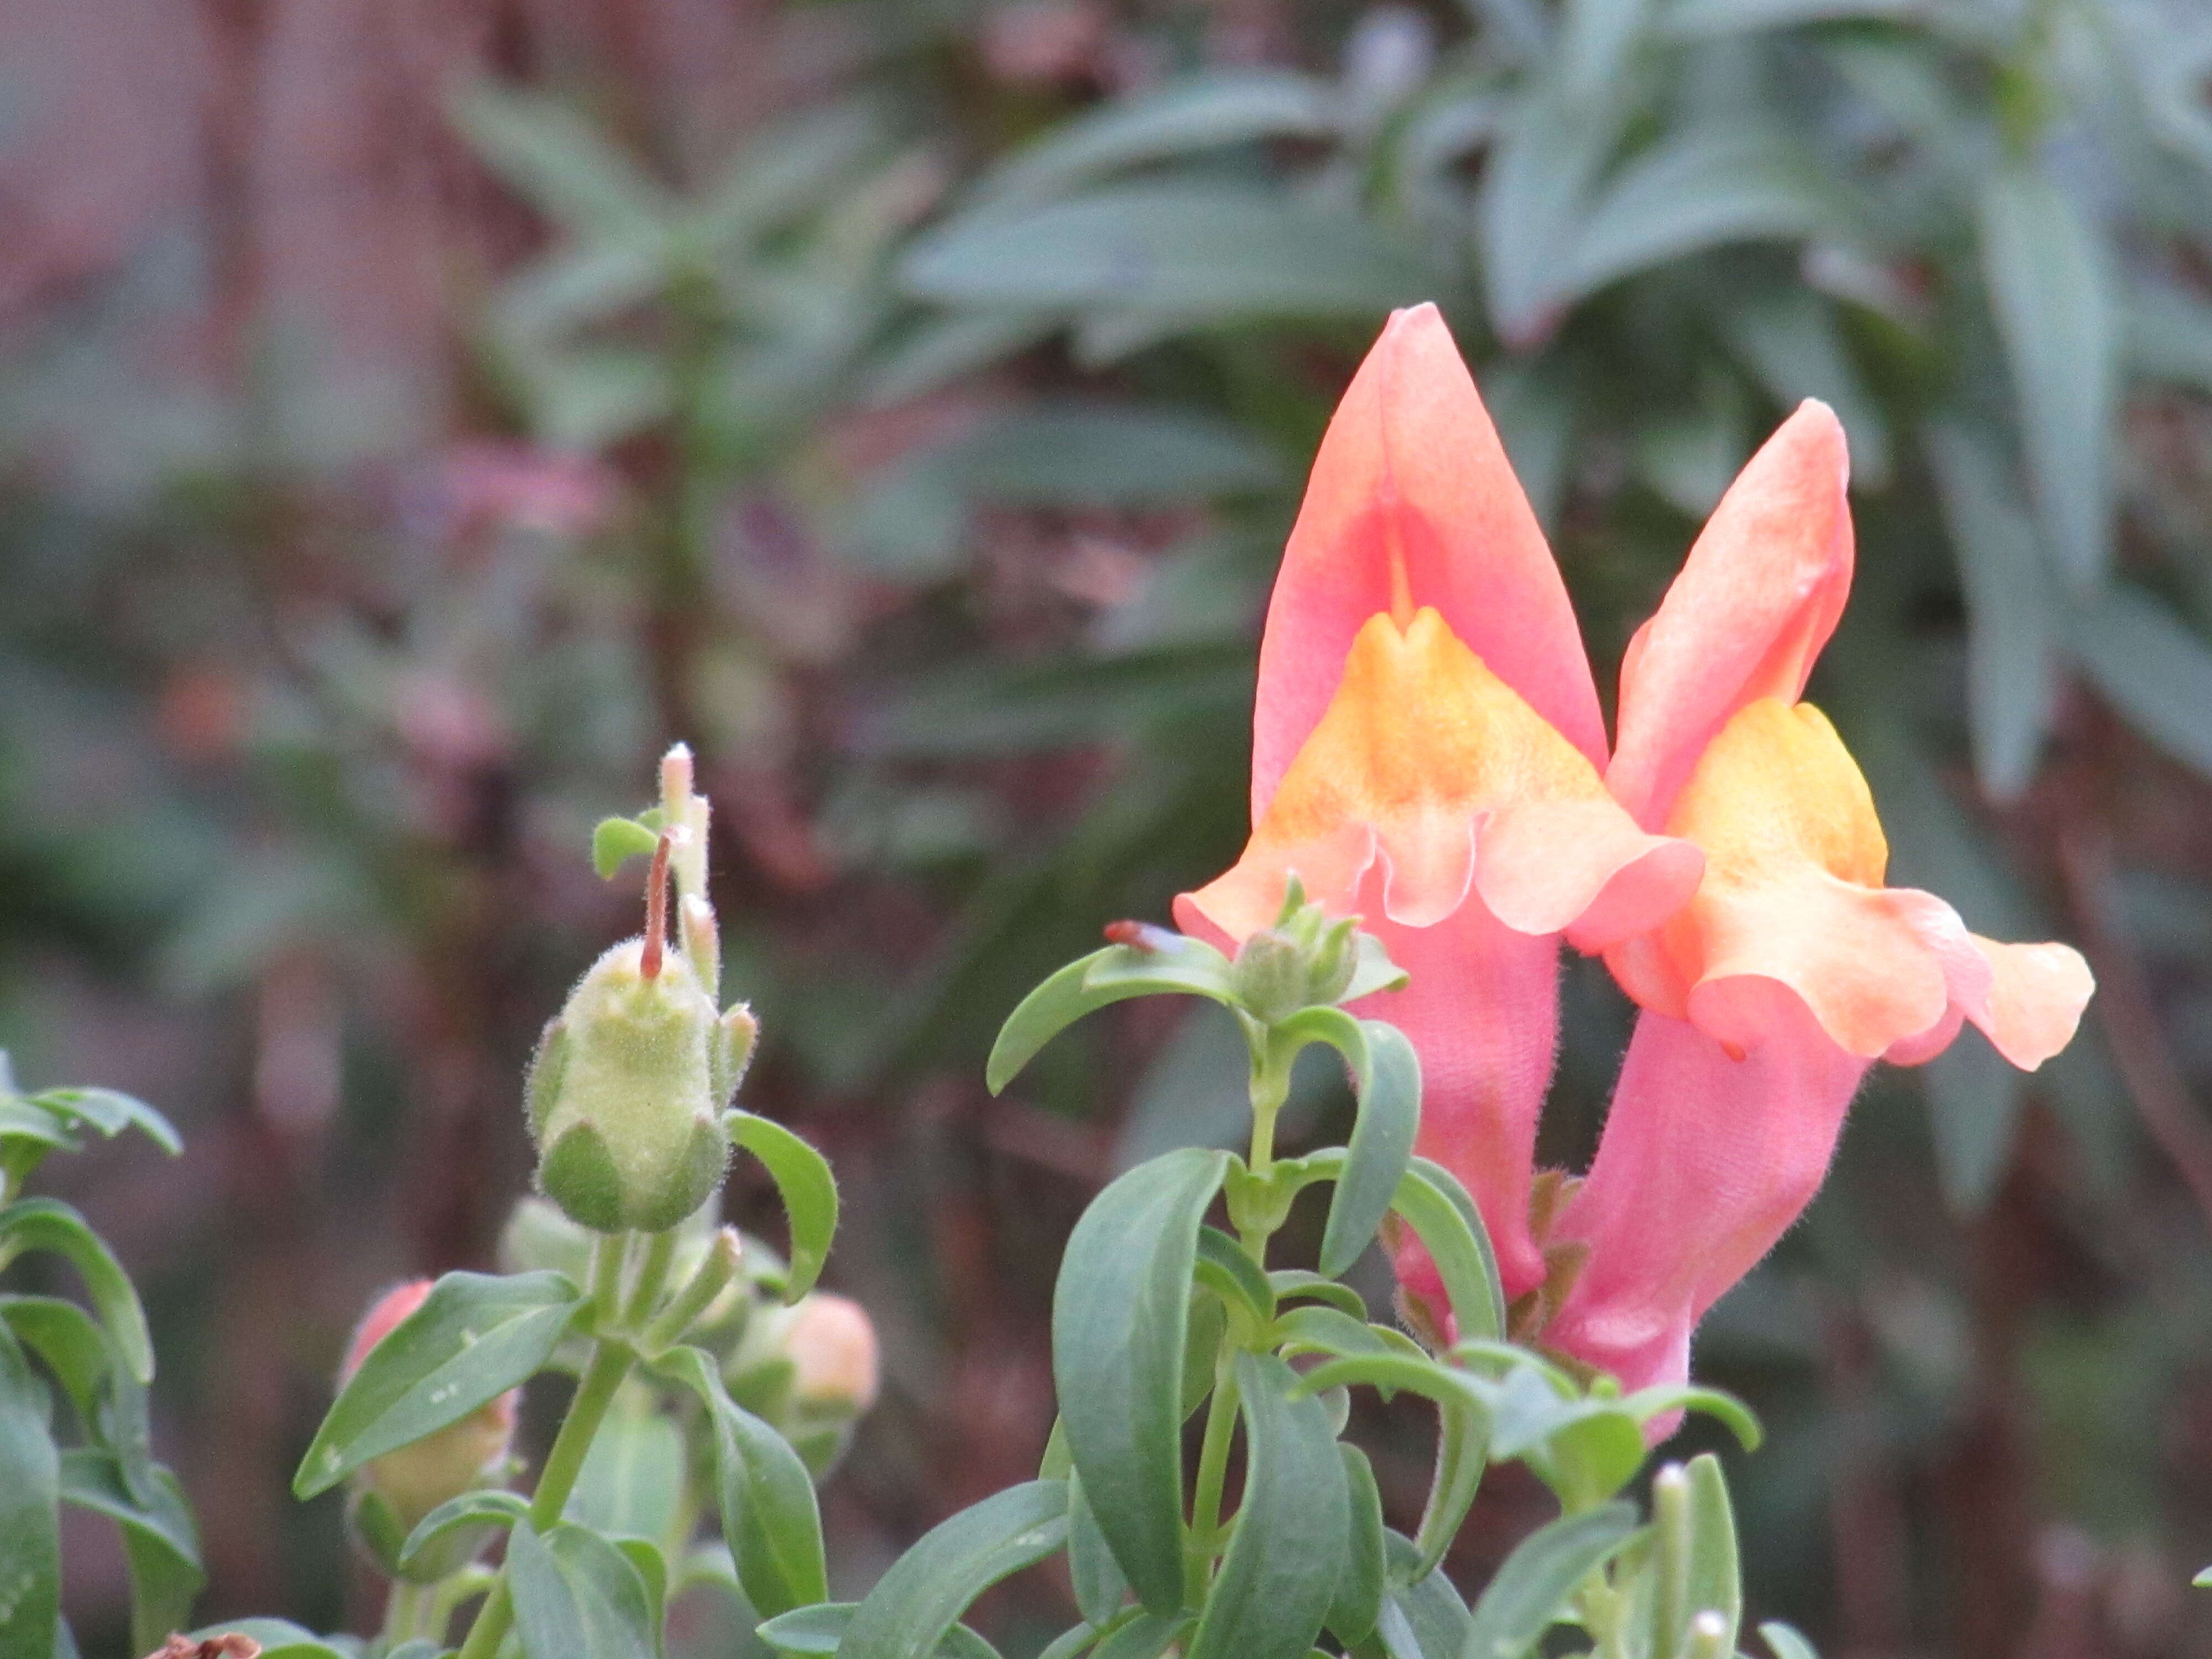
[[404, 1605], [651, 1275], [611, 1363], [609, 1254], [1212, 1470]]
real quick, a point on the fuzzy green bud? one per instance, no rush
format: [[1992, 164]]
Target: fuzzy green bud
[[628, 1090], [1307, 958]]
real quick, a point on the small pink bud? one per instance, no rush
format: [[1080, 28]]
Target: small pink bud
[[831, 1344]]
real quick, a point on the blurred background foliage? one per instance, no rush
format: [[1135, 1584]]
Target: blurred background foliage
[[411, 414]]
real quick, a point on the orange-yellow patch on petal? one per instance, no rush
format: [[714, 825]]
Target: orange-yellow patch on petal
[[1427, 761], [1793, 901]]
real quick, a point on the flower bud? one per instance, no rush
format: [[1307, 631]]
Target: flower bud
[[831, 1344], [627, 1089], [390, 1494], [1271, 974], [1307, 958]]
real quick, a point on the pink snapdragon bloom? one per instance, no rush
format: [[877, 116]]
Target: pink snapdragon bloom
[[1427, 751], [1766, 998]]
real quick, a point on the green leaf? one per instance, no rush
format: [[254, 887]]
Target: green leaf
[[939, 350], [1357, 1603], [484, 1513], [1201, 250], [1463, 1454], [1439, 1211], [785, 172], [576, 1596], [809, 1190], [2154, 670], [2051, 290], [64, 1336], [1531, 1588], [1224, 1267], [1330, 1331], [632, 1480], [475, 1337], [1167, 964], [159, 1541], [1583, 1448], [1647, 1403], [819, 1629], [1422, 1616], [1789, 338], [1100, 1585], [1715, 1580], [1063, 453], [616, 842], [1691, 20], [770, 1516], [1196, 113], [1287, 1550], [30, 1528], [1296, 1282], [1147, 1636], [2009, 625], [1381, 1143], [1534, 187], [111, 1112], [1118, 1335], [914, 1604], [1784, 1643], [47, 1224], [1686, 194], [561, 165]]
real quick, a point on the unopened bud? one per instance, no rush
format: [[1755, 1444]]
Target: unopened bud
[[627, 1091], [831, 1344], [1271, 974], [390, 1494], [1308, 958]]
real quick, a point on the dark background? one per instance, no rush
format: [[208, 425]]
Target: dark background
[[413, 413]]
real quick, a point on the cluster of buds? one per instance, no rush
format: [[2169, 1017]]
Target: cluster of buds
[[1307, 958], [391, 1495], [632, 1077]]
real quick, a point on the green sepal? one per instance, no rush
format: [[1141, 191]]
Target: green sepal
[[578, 1173], [616, 842], [542, 1083]]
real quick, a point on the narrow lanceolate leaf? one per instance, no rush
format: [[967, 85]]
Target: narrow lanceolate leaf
[[488, 1512], [2154, 670], [2051, 291], [1201, 249], [820, 1629], [1715, 1581], [1433, 1203], [1167, 962], [769, 1516], [47, 1224], [2009, 612], [927, 1589], [159, 1541], [475, 1337], [1382, 1146], [1225, 1268], [1197, 113], [576, 1596], [67, 1341], [1119, 1322], [1422, 1616], [808, 1188], [30, 1539], [1292, 1532], [1784, 1642], [111, 1112], [1357, 1603], [1097, 1577], [1532, 1590]]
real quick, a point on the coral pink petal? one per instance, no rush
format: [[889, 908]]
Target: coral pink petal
[[1706, 1161], [2037, 994], [1581, 867], [1411, 474], [1482, 1011], [1857, 957], [1753, 604]]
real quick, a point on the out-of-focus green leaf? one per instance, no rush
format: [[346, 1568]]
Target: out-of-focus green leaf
[[785, 171], [617, 841], [1118, 1342], [1783, 1642], [30, 1535], [1538, 178], [2009, 620], [1698, 190], [1531, 1589], [1693, 19], [1196, 249], [1593, 42], [632, 1477], [1789, 338], [1357, 1603], [819, 1629], [2050, 288], [1095, 454], [1200, 112], [1439, 1211], [1535, 407], [2169, 335], [2155, 670], [159, 1541], [940, 350], [561, 164], [47, 1224]]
